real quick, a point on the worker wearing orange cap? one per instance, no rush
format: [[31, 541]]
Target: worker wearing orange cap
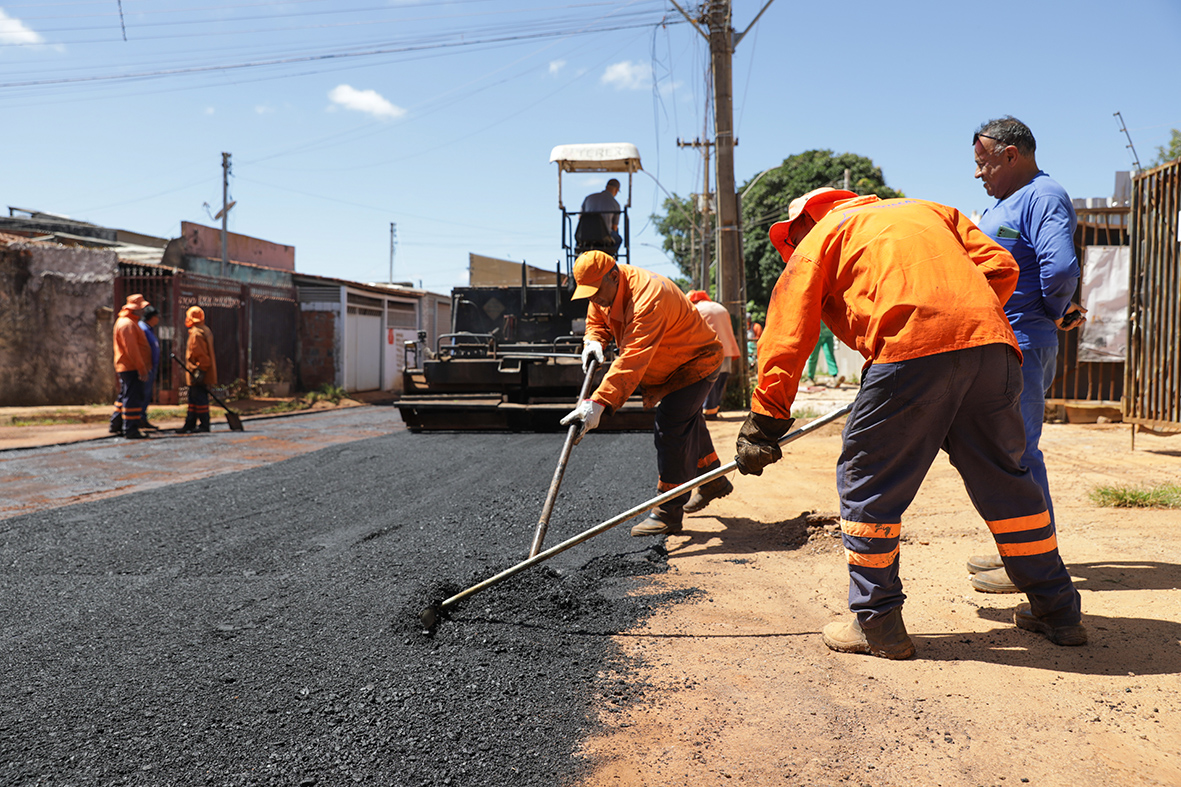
[[202, 370], [133, 365], [919, 291], [669, 353]]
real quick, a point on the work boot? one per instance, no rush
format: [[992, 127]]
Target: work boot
[[116, 426], [707, 493], [662, 521], [995, 581], [190, 424], [888, 639], [980, 563], [836, 383], [1024, 618], [203, 422], [144, 424], [134, 434]]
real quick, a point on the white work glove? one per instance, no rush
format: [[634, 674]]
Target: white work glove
[[588, 411], [589, 349]]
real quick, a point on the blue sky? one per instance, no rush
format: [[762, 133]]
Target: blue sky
[[343, 116]]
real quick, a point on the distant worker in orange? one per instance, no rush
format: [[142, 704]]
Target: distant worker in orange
[[719, 319], [202, 374], [919, 291], [133, 365], [669, 353]]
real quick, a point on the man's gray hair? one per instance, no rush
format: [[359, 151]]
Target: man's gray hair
[[1008, 131]]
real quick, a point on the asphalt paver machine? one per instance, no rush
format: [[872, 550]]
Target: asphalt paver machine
[[512, 359]]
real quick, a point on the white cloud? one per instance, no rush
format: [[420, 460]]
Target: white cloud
[[264, 109], [369, 101], [627, 75], [13, 31], [210, 111], [555, 66]]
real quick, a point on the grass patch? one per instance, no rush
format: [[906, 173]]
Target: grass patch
[[1162, 496]]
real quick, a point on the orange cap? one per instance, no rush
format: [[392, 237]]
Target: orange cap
[[696, 296], [816, 203], [589, 270]]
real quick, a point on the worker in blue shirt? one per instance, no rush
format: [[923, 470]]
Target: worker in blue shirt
[[1034, 220]]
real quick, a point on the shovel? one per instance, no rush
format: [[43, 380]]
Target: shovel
[[429, 617], [560, 470], [231, 417]]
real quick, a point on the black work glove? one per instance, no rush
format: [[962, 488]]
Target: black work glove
[[758, 442]]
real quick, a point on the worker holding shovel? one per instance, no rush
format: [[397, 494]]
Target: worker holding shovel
[[919, 291], [201, 371], [668, 352]]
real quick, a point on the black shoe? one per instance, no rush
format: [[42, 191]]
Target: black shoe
[[707, 493], [145, 425], [134, 434], [1024, 618]]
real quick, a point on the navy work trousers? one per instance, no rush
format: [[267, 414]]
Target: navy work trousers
[[966, 402], [684, 449]]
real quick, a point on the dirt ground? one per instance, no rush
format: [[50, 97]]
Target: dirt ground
[[737, 686]]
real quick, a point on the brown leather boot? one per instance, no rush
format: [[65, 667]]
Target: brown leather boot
[[707, 493], [888, 639]]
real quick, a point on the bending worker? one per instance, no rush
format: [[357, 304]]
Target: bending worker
[[668, 352], [918, 290]]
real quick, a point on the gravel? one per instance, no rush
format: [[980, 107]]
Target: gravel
[[261, 627]]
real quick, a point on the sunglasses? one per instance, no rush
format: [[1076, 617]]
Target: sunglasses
[[978, 136]]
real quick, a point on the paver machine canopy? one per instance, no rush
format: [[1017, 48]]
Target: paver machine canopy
[[584, 230]]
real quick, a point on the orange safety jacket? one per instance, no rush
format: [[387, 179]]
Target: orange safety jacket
[[664, 344], [896, 279], [199, 353], [132, 351]]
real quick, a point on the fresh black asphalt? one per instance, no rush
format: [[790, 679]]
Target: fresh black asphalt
[[261, 627]]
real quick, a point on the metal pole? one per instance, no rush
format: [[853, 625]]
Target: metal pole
[[225, 209], [393, 241]]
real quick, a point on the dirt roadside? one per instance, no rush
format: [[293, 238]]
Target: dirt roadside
[[736, 687], [56, 425]]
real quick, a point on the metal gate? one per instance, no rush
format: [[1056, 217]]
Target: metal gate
[[251, 323], [1152, 381]]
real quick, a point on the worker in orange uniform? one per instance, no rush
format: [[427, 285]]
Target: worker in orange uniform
[[918, 290], [669, 353], [133, 365], [202, 371], [719, 319]]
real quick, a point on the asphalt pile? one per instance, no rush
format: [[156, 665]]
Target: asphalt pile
[[261, 627]]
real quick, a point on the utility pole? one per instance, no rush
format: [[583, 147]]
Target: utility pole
[[704, 207], [393, 242], [225, 210], [715, 15]]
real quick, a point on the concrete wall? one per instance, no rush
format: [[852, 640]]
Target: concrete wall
[[55, 325], [202, 241]]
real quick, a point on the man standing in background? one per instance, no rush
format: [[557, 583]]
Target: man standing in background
[[133, 365], [147, 323], [1034, 221]]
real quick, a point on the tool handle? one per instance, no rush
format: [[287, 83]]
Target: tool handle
[[603, 527], [560, 470]]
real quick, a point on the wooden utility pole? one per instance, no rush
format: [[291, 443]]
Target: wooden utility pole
[[704, 207], [731, 278]]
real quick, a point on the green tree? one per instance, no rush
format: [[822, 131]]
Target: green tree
[[680, 226], [1166, 153], [767, 199]]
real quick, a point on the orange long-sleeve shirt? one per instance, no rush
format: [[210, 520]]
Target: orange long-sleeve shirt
[[132, 351], [895, 279], [664, 344], [199, 353]]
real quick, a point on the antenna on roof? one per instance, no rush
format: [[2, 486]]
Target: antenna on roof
[[1123, 128]]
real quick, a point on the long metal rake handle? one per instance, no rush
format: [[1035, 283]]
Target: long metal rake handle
[[560, 470], [636, 511]]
